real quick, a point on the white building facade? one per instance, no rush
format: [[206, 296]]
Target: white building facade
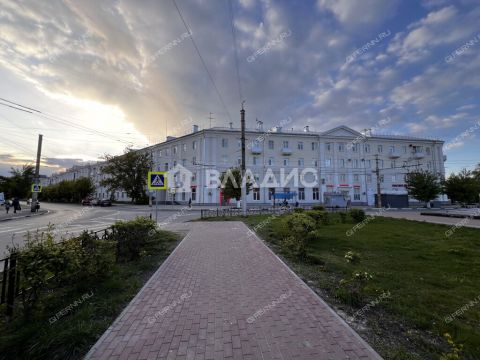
[[340, 160]]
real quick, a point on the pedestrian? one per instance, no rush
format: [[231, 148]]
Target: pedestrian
[[7, 206], [16, 205], [296, 204], [190, 203], [37, 206]]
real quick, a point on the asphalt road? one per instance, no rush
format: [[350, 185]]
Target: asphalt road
[[70, 219]]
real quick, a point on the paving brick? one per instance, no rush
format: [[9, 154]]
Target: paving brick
[[225, 295]]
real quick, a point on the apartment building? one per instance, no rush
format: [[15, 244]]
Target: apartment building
[[340, 160]]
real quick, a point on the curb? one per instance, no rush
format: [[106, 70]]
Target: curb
[[27, 216]]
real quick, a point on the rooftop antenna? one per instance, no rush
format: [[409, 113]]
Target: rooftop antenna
[[210, 118]]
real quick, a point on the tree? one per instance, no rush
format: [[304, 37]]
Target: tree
[[83, 187], [127, 172], [463, 187], [19, 183], [231, 183], [423, 185]]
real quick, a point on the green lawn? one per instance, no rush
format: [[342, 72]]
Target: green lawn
[[428, 275], [98, 305]]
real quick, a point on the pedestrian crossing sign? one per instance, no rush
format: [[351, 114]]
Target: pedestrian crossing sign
[[36, 188], [157, 180]]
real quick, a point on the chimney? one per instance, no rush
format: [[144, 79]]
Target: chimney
[[259, 125], [306, 129], [278, 129], [195, 128], [231, 125]]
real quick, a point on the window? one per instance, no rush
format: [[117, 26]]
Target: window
[[271, 161], [300, 145], [175, 149], [159, 153], [392, 149], [315, 194], [427, 150], [369, 178], [328, 162], [285, 161], [314, 146], [167, 152], [355, 147], [367, 148], [271, 193], [380, 148], [356, 178], [341, 163], [166, 166], [392, 164], [239, 161], [341, 147], [194, 144], [194, 194], [256, 194], [194, 160], [328, 146], [224, 143], [194, 177], [394, 178], [271, 145], [342, 177], [314, 162], [184, 162], [174, 163], [183, 195], [285, 144], [355, 163], [184, 147], [429, 165], [301, 162], [255, 160], [381, 178], [301, 193], [404, 149]]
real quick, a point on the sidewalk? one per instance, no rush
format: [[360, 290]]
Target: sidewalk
[[20, 214], [222, 294]]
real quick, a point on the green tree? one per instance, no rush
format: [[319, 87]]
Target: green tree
[[463, 187], [19, 183], [423, 185], [127, 172], [231, 183], [83, 188]]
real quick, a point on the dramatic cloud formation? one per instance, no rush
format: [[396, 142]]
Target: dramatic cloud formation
[[130, 69]]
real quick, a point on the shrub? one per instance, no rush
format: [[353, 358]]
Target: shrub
[[293, 246], [300, 224], [298, 210], [343, 217], [132, 236], [352, 291], [326, 218], [315, 215], [318, 208], [357, 214]]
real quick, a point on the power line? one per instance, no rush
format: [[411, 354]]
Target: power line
[[201, 58]]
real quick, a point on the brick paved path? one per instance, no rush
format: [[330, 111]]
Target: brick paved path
[[224, 295]]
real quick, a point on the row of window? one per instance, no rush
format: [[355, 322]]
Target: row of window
[[341, 147]]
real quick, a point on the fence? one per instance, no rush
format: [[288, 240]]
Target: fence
[[10, 276], [231, 212]]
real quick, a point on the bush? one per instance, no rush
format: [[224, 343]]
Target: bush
[[298, 210], [294, 247], [352, 257], [132, 237], [300, 225], [343, 217], [318, 208], [357, 214], [315, 215]]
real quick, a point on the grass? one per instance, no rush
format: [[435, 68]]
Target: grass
[[98, 304], [428, 276]]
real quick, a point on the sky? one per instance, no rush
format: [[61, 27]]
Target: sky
[[104, 75]]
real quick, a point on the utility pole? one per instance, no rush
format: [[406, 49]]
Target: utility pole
[[33, 205], [244, 181], [378, 202]]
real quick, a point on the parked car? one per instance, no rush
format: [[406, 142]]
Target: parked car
[[105, 202], [90, 202]]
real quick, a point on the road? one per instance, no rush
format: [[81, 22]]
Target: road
[[71, 219]]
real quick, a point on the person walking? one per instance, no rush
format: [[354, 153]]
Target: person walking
[[7, 206], [16, 205], [190, 203]]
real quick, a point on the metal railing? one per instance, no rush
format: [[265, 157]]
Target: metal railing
[[232, 212]]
